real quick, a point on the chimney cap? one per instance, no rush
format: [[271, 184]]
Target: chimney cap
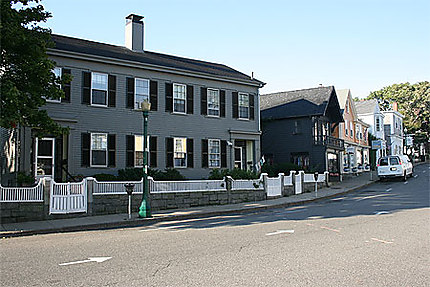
[[135, 18]]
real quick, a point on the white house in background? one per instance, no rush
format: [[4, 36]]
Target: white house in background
[[369, 112], [393, 130]]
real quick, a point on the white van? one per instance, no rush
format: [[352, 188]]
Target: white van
[[395, 166]]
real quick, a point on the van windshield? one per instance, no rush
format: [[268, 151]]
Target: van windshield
[[383, 161], [394, 161]]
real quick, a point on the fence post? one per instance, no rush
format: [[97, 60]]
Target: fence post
[[90, 189], [302, 180], [282, 175], [293, 180], [264, 176], [228, 184], [327, 178], [46, 195]]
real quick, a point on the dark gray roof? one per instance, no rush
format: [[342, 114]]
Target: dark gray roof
[[300, 103], [314, 95], [64, 43], [365, 106]]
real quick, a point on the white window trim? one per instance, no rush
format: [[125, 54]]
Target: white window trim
[[135, 89], [219, 103], [91, 150], [173, 99], [209, 153], [238, 106], [174, 151], [107, 89], [59, 100]]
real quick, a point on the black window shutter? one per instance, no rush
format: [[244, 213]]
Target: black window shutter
[[85, 149], [190, 153], [130, 93], [235, 105], [153, 151], [111, 91], [223, 153], [205, 156], [111, 150], [190, 99], [169, 152], [129, 150], [66, 87], [203, 101], [251, 106], [153, 95], [169, 97], [86, 87], [222, 105]]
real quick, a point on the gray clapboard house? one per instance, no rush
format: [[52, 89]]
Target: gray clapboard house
[[203, 115], [298, 127]]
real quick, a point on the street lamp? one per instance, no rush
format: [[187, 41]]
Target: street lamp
[[145, 209]]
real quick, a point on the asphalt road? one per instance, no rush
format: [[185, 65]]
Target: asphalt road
[[377, 236]]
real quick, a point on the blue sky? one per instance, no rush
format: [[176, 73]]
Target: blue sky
[[363, 45]]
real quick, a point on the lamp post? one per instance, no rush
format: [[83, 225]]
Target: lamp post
[[145, 209]]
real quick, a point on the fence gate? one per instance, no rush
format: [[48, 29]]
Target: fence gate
[[68, 197], [298, 188], [274, 186]]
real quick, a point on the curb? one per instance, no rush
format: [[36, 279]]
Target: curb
[[148, 221]]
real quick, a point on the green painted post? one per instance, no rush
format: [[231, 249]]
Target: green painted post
[[145, 209]]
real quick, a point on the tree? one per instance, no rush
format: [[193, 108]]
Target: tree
[[413, 102], [26, 75]]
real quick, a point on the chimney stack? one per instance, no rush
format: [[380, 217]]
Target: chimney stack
[[134, 32], [395, 106]]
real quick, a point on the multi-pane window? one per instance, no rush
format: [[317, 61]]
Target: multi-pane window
[[351, 129], [98, 149], [99, 87], [141, 92], [180, 152], [179, 98], [138, 151], [214, 153], [346, 127], [243, 106], [213, 102], [378, 124], [57, 72]]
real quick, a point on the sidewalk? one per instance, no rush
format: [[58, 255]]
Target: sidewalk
[[121, 220]]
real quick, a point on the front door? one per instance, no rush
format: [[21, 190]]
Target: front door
[[44, 161], [238, 157]]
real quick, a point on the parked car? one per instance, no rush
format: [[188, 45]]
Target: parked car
[[395, 166]]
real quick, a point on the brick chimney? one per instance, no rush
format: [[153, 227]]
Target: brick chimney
[[134, 32], [395, 106]]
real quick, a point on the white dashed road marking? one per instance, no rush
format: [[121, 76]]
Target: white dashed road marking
[[405, 182], [280, 232], [381, 212], [382, 241], [389, 189], [372, 196]]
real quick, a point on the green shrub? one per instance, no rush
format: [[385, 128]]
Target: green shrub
[[24, 179], [136, 174], [236, 173], [275, 169], [105, 177]]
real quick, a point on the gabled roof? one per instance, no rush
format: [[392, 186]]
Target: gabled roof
[[300, 103], [366, 106], [343, 96], [75, 45]]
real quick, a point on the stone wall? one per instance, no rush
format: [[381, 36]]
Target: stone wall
[[22, 211], [111, 204]]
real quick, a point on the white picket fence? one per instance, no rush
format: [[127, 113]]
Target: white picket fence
[[115, 187], [186, 186], [22, 194], [77, 192]]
